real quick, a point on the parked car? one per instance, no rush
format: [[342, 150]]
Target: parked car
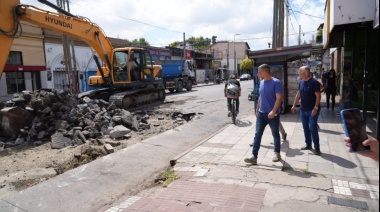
[[245, 77]]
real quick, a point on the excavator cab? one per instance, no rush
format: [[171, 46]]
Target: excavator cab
[[120, 67], [132, 65]]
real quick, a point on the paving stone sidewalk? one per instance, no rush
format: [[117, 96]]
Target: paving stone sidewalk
[[214, 176]]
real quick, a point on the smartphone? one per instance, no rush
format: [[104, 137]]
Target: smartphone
[[355, 128]]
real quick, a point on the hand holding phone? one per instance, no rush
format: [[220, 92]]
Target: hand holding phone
[[355, 129], [373, 144]]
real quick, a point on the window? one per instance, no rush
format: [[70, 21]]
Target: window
[[14, 58], [15, 82]]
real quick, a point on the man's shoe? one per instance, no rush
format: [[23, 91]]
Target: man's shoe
[[229, 114], [252, 160], [306, 148], [317, 151], [276, 157], [284, 137], [251, 144]]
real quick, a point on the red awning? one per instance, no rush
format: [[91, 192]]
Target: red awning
[[24, 68]]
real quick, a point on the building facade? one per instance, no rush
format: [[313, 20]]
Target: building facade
[[351, 37], [25, 68], [37, 60], [229, 55]]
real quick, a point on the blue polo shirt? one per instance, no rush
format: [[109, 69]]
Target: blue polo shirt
[[307, 90], [268, 90]]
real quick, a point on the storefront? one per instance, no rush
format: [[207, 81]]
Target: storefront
[[25, 67], [354, 48], [284, 63]]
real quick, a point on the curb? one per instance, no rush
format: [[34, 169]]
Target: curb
[[174, 160]]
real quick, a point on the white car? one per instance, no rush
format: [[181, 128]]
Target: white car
[[245, 77]]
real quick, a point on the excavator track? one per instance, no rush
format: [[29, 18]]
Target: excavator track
[[138, 97]]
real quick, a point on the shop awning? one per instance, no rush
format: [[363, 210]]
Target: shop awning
[[283, 54], [24, 68], [318, 51]]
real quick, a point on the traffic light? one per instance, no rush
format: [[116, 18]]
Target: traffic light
[[213, 38]]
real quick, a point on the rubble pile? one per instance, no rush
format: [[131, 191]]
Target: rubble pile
[[66, 120]]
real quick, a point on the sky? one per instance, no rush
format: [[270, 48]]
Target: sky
[[163, 22]]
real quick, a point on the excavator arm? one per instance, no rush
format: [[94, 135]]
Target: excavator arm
[[127, 86], [12, 12]]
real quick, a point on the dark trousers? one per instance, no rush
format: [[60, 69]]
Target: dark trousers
[[229, 104], [330, 92]]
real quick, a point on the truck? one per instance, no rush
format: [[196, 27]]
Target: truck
[[116, 79], [178, 74]]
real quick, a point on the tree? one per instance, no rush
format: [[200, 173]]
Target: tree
[[246, 64], [141, 42], [128, 42], [174, 44], [199, 43], [138, 42], [319, 37]]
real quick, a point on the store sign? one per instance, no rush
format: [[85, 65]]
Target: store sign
[[59, 69], [188, 54]]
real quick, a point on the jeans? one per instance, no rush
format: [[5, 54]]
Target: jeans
[[282, 130], [310, 129], [262, 121], [229, 101]]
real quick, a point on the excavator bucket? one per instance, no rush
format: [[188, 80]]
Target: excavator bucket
[[8, 29]]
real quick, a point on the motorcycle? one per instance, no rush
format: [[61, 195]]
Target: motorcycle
[[206, 80], [251, 95], [218, 80]]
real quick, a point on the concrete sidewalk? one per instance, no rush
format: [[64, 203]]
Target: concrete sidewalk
[[214, 176]]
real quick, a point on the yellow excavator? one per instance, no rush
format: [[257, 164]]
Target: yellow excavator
[[125, 76]]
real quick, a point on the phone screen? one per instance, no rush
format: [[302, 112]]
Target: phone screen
[[355, 129]]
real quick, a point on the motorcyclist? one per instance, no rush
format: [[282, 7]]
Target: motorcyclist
[[217, 79], [232, 90]]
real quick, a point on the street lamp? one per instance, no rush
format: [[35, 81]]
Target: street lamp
[[235, 54]]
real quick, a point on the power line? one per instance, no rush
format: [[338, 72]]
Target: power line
[[133, 20], [290, 8], [271, 36], [307, 14], [303, 4]]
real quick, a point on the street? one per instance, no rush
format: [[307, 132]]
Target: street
[[210, 101], [209, 154], [130, 170]]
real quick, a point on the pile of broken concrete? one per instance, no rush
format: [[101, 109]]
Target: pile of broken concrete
[[55, 116]]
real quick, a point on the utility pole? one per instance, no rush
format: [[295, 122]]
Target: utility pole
[[71, 74], [281, 23], [228, 54], [278, 24], [287, 22], [275, 21], [76, 83], [184, 47], [235, 71], [299, 36]]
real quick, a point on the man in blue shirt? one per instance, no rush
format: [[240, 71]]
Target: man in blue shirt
[[309, 91], [268, 112]]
